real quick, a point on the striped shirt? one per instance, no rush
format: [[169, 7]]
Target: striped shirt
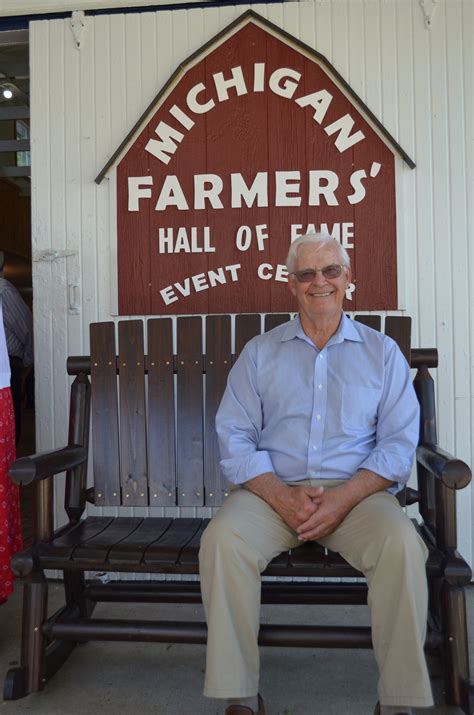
[[18, 323]]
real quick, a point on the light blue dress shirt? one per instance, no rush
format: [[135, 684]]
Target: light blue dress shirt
[[301, 412]]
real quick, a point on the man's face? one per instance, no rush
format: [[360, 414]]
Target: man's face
[[319, 297]]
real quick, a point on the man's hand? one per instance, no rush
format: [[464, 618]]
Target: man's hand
[[334, 506], [336, 503], [295, 505]]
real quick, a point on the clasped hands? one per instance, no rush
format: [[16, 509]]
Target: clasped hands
[[313, 512]]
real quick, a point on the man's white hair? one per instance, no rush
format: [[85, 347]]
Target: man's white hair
[[318, 240]]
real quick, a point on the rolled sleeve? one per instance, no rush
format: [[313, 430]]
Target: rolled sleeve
[[239, 423], [398, 422]]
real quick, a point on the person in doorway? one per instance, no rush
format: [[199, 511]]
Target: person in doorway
[[10, 525], [18, 325], [317, 430]]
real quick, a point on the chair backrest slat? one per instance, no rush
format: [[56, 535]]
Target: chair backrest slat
[[273, 320], [190, 449], [104, 409], [372, 321], [133, 452], [218, 362], [247, 326], [398, 327], [161, 413]]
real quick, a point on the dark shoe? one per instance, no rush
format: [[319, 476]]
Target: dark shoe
[[244, 710], [377, 711]]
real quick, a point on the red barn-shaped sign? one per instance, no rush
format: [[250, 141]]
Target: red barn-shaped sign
[[255, 141]]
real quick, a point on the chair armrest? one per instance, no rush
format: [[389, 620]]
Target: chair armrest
[[452, 472], [40, 466]]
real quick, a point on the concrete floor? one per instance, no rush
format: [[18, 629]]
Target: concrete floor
[[158, 679]]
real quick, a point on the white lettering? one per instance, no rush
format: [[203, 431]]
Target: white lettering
[[136, 190], [316, 190], [358, 186], [283, 187], [261, 231], [281, 273], [216, 277], [199, 282], [287, 87], [344, 140], [259, 77], [240, 190], [222, 85], [182, 118], [320, 102], [207, 186], [243, 238], [264, 271], [165, 143], [168, 295], [193, 104], [165, 240], [171, 194]]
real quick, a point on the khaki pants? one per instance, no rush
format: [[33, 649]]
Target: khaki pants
[[376, 537]]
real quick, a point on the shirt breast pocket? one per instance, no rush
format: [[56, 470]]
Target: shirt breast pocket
[[359, 407]]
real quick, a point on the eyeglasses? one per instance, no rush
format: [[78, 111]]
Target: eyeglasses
[[309, 274]]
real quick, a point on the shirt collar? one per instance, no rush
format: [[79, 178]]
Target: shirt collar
[[346, 331]]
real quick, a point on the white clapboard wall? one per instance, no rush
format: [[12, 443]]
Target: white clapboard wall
[[416, 79]]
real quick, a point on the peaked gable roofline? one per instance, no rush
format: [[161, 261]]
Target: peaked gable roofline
[[245, 18]]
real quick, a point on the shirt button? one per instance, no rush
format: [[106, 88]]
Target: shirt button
[[320, 357], [314, 447], [320, 387], [318, 417]]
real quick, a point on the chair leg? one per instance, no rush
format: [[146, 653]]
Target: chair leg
[[456, 647], [74, 585], [29, 676]]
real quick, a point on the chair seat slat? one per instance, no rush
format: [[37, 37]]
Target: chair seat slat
[[97, 548], [133, 547], [166, 550]]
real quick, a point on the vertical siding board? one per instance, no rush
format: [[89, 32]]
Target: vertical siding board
[[59, 266], [467, 21], [41, 235], [424, 191], [405, 177], [104, 149], [441, 219], [460, 257]]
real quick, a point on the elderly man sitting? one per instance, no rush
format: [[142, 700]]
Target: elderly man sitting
[[317, 427]]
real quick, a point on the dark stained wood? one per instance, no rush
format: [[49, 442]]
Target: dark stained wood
[[273, 320], [372, 321], [246, 327], [166, 550], [96, 549], [131, 549], [218, 362], [105, 414], [398, 327], [190, 452], [133, 452], [63, 547], [190, 552], [161, 414]]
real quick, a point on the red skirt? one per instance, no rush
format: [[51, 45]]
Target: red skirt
[[10, 524]]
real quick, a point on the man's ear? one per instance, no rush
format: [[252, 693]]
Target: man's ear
[[291, 285]]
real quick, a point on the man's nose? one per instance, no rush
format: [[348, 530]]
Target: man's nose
[[319, 279]]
